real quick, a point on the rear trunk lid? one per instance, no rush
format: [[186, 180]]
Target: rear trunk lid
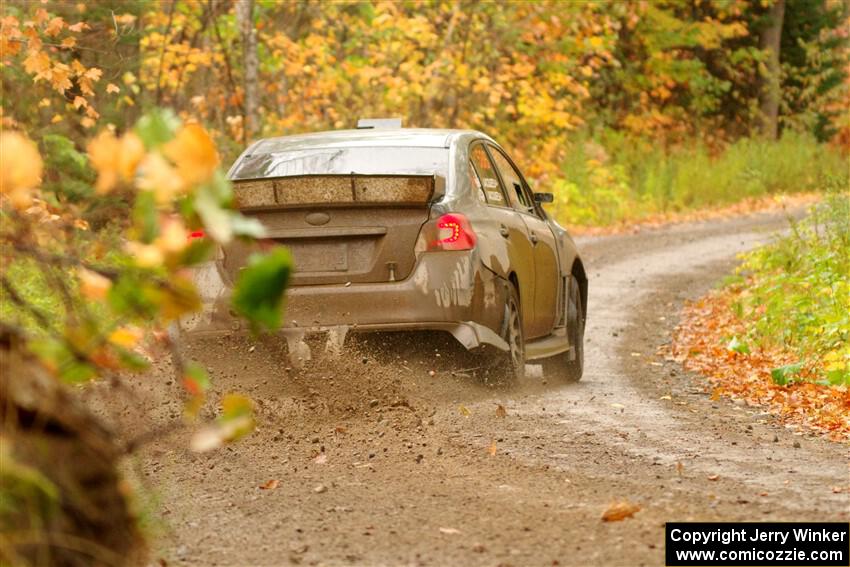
[[340, 229]]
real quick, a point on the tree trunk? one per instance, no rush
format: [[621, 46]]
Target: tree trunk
[[769, 41], [250, 65]]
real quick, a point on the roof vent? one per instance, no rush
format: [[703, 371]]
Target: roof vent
[[378, 123]]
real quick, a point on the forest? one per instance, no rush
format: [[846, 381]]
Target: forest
[[617, 107], [120, 118]]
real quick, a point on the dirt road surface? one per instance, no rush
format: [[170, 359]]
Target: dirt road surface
[[379, 463]]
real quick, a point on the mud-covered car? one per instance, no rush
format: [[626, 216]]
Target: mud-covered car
[[395, 229]]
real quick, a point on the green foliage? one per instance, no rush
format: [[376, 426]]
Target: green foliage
[[157, 127], [259, 290], [617, 179], [798, 294], [739, 346], [785, 374], [88, 301], [69, 173]]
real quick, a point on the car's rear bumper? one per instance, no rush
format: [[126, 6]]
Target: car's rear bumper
[[448, 291]]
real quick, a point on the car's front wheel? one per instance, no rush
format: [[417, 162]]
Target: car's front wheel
[[570, 364]]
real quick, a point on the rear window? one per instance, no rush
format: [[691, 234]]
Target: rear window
[[343, 161], [332, 190]]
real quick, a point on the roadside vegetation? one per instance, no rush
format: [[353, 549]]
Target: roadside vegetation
[[615, 181], [795, 294], [119, 117], [778, 332]]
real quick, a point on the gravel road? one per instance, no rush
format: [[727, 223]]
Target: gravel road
[[379, 463]]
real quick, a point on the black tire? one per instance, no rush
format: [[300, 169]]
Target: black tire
[[570, 364], [512, 363]]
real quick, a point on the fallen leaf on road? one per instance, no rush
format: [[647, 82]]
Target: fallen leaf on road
[[464, 411], [679, 468], [270, 485], [492, 449], [713, 476], [666, 398], [618, 406], [321, 459], [621, 510], [449, 531], [501, 411]]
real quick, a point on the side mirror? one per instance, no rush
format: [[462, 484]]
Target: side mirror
[[544, 198]]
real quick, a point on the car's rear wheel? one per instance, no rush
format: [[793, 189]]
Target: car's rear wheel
[[514, 359], [570, 364]]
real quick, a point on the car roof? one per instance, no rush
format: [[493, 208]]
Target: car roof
[[365, 137]]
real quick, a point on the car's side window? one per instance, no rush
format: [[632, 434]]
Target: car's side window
[[487, 174], [520, 199], [475, 182]]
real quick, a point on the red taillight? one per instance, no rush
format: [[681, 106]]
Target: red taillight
[[196, 234], [451, 231]]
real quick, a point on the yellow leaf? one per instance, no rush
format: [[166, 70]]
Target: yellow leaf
[[36, 62], [93, 74], [56, 118], [20, 168], [173, 237], [113, 88], [159, 176], [132, 152], [93, 285], [194, 153], [127, 336], [464, 411], [114, 158], [146, 255], [69, 42], [621, 510], [492, 449], [80, 102], [104, 152], [54, 26]]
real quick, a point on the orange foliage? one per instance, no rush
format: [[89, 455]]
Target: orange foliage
[[700, 344]]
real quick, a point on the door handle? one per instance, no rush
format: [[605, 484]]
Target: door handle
[[533, 238], [503, 230]]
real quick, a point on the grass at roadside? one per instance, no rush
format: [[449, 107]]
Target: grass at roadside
[[611, 180], [778, 333], [795, 294]]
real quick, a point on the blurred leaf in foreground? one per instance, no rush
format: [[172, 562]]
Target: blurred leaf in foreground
[[258, 295]]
